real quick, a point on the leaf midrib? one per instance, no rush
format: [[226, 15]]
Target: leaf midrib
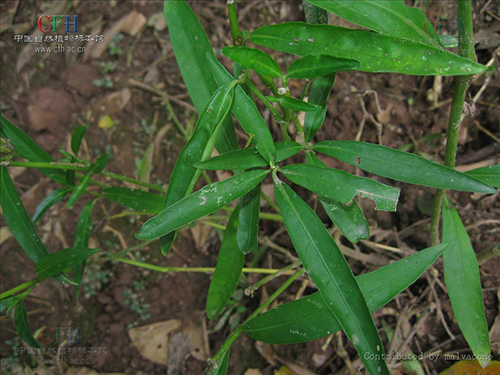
[[362, 333]]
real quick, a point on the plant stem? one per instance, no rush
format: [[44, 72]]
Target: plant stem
[[278, 117], [133, 181], [54, 165], [19, 288], [233, 22], [118, 257], [82, 168], [284, 271], [466, 49], [214, 361], [154, 267]]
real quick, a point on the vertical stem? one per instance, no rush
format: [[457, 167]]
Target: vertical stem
[[465, 49], [213, 362], [233, 22]]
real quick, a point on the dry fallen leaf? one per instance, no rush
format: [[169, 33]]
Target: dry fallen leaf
[[130, 24], [189, 342], [5, 234], [201, 234], [152, 340], [472, 368], [252, 371]]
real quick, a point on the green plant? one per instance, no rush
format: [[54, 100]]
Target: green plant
[[398, 43]]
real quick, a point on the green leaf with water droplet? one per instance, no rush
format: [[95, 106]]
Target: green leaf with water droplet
[[309, 318], [51, 199], [198, 148], [400, 166], [249, 158], [31, 151], [489, 175], [23, 328], [328, 269], [311, 67], [388, 17], [228, 269], [138, 200], [248, 227], [246, 113], [203, 202], [319, 93], [341, 186], [254, 59], [376, 53], [59, 261], [294, 104], [82, 236], [463, 281], [76, 138], [348, 218], [17, 219], [191, 47]]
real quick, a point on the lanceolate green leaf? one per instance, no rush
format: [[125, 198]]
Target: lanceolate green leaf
[[376, 53], [23, 328], [51, 199], [82, 236], [82, 186], [198, 148], [138, 200], [348, 218], [461, 274], [254, 59], [309, 318], [31, 151], [246, 112], [228, 270], [320, 91], [341, 186], [389, 17], [249, 158], [191, 46], [489, 175], [17, 219], [248, 221], [294, 104], [59, 261], [329, 270], [76, 139], [400, 166], [100, 163], [205, 201], [9, 303], [79, 189], [311, 67]]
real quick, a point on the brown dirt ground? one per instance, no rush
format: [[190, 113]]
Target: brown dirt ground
[[53, 94]]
